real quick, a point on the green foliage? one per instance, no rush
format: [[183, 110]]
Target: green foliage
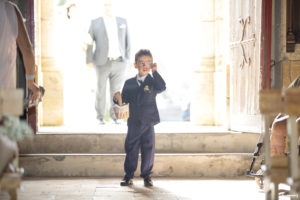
[[14, 129], [62, 2]]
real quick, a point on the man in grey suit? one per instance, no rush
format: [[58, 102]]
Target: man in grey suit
[[112, 52]]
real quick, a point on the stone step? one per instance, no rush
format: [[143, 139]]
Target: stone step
[[217, 165], [203, 142]]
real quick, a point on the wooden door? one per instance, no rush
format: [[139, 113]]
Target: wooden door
[[245, 72], [27, 10]]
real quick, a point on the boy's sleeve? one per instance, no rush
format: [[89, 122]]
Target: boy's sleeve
[[159, 83], [125, 93]]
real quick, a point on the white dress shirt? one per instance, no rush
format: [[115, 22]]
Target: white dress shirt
[[113, 37], [140, 78]]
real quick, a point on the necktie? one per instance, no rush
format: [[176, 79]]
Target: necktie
[[140, 82]]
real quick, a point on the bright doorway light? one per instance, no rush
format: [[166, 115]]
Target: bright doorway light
[[170, 29]]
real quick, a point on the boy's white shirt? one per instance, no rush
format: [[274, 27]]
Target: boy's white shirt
[[142, 78]]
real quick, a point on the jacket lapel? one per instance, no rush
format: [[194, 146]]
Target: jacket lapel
[[119, 23]]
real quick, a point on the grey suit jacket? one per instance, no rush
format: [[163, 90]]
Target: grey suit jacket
[[98, 33]]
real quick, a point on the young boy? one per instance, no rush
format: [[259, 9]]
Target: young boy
[[140, 92]]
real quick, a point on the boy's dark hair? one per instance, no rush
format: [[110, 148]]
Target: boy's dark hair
[[142, 52]]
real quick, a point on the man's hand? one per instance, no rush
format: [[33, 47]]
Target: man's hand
[[90, 65], [154, 67]]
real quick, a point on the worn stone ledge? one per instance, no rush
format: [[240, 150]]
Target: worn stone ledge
[[111, 165], [165, 143]]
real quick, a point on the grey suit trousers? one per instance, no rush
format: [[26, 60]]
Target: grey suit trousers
[[114, 71]]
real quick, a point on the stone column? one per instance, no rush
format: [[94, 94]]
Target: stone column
[[208, 104], [221, 62], [52, 76], [202, 103]]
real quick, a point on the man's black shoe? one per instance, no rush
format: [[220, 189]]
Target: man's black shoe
[[126, 182], [148, 182]]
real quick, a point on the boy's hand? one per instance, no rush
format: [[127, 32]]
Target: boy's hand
[[118, 96], [154, 67], [124, 113]]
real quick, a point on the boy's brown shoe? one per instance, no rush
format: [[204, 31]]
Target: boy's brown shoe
[[126, 182], [148, 182]]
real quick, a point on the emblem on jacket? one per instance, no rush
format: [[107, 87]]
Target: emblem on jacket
[[146, 89]]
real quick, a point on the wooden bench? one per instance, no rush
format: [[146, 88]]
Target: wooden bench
[[11, 102], [11, 180], [281, 169]]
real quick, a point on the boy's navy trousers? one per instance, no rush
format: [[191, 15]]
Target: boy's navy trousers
[[139, 137]]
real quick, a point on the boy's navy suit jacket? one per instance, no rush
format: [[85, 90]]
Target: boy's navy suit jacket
[[142, 99]]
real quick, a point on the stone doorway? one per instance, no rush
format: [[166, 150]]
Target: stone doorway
[[202, 62]]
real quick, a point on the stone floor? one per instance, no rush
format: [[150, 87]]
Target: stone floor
[[164, 188]]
